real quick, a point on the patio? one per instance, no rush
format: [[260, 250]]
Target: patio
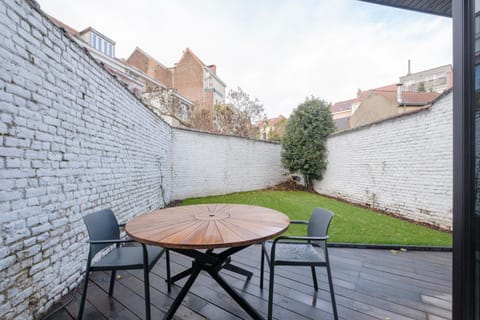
[[74, 140], [369, 284]]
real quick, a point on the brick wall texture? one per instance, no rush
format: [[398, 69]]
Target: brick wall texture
[[151, 67], [188, 80], [221, 165], [73, 141], [402, 165]]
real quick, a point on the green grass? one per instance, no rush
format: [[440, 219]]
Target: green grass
[[351, 224]]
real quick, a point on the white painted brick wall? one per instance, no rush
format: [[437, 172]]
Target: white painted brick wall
[[72, 141], [402, 165], [206, 164]]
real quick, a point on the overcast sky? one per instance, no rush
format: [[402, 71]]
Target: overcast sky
[[279, 51]]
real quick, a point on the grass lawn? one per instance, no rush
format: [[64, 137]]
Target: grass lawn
[[351, 224]]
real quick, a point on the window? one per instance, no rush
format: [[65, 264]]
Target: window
[[93, 40], [207, 81]]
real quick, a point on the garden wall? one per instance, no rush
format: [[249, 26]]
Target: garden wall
[[207, 164], [402, 165], [74, 140]]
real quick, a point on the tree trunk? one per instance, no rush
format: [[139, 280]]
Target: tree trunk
[[308, 182]]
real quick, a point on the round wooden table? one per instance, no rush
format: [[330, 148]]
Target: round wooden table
[[189, 229]]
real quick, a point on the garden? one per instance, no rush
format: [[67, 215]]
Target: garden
[[351, 224]]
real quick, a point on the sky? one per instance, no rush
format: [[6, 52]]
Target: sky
[[279, 51]]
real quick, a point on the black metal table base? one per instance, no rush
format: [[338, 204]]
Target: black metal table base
[[212, 263]]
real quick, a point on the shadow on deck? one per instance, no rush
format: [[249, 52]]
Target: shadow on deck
[[369, 284]]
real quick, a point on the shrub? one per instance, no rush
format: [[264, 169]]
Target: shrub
[[304, 143]]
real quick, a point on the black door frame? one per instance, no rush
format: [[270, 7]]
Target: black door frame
[[463, 157]]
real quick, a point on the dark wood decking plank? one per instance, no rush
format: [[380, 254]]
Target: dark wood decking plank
[[201, 298], [109, 308], [127, 295], [89, 312], [379, 303], [160, 301], [369, 284], [307, 296], [61, 315], [406, 310], [254, 297]]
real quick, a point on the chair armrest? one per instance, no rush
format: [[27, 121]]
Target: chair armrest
[[298, 222], [110, 241], [300, 238]]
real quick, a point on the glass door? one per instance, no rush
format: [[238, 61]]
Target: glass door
[[466, 155]]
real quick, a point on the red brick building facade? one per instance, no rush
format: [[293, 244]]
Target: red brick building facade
[[191, 77]]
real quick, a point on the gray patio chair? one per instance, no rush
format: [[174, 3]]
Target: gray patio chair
[[103, 230], [310, 251]]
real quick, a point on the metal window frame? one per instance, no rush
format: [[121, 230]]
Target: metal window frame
[[463, 158]]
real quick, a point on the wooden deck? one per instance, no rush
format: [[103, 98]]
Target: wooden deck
[[369, 284]]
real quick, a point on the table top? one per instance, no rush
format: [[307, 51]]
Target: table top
[[207, 226]]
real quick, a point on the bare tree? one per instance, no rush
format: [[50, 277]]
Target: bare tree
[[166, 103], [202, 119], [250, 107], [238, 115]]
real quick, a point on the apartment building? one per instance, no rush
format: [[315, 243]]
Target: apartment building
[[190, 77], [174, 109], [436, 79]]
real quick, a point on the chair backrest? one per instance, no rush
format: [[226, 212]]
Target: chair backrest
[[101, 225], [319, 222]]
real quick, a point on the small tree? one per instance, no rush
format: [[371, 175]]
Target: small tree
[[304, 148], [421, 87]]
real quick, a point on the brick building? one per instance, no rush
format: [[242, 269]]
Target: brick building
[[190, 82], [190, 77], [139, 81], [378, 104]]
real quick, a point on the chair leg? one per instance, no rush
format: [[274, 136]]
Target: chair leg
[[330, 284], [112, 282], [146, 280], [314, 277], [147, 293], [262, 267], [169, 280], [84, 296], [270, 292]]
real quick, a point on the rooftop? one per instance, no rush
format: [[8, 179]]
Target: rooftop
[[411, 98]]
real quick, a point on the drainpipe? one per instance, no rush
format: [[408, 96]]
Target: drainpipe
[[400, 96]]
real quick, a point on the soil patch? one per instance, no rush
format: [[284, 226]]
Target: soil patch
[[289, 185]]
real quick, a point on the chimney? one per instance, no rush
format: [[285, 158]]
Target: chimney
[[213, 68], [409, 73], [399, 92], [359, 92]]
